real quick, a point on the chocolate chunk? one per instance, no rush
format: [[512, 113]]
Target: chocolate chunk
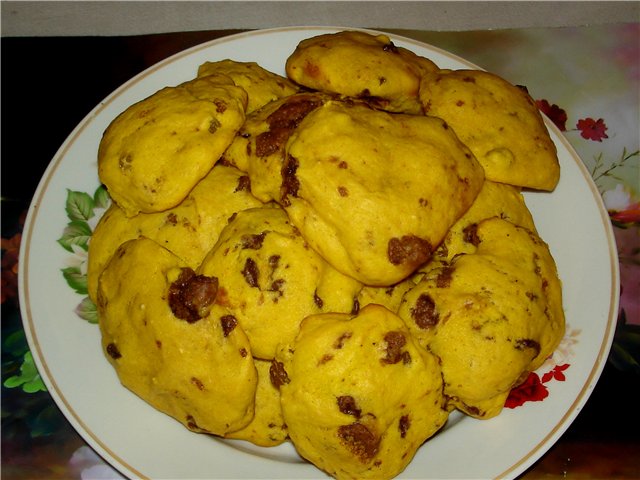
[[317, 299], [172, 219], [250, 272], [290, 183], [424, 313], [198, 383], [394, 353], [113, 351], [390, 47], [444, 277], [277, 286], [274, 261], [339, 343], [228, 322], [283, 121], [277, 374], [356, 307], [244, 184], [253, 242], [359, 440], [403, 425], [525, 343], [347, 405], [191, 296], [470, 234], [409, 250]]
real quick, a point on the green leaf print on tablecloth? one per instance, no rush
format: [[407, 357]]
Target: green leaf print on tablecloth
[[83, 211]]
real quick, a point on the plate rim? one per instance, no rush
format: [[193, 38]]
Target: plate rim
[[116, 461]]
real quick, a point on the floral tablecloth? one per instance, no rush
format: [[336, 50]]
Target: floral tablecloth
[[586, 79]]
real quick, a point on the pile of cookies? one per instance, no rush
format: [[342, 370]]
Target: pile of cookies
[[338, 258]]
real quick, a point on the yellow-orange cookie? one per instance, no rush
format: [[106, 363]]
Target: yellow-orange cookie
[[359, 396], [362, 65], [261, 85], [270, 279], [494, 200], [259, 146], [157, 150], [374, 193], [267, 428], [170, 344], [188, 230], [491, 316], [498, 121]]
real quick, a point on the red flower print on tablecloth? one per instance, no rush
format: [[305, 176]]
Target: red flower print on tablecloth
[[557, 115], [534, 389], [592, 129], [589, 128], [10, 255]]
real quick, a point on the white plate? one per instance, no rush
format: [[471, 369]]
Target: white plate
[[141, 442]]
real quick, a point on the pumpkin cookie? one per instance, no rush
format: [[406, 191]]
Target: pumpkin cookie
[[359, 396], [267, 428], [262, 86], [374, 193], [498, 121], [157, 150], [361, 65], [270, 279], [491, 316], [170, 344], [259, 146], [494, 200]]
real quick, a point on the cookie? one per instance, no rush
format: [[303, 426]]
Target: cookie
[[189, 230], [258, 149], [498, 121], [270, 279], [261, 85], [491, 316], [170, 344], [494, 200], [267, 428], [361, 65], [375, 193], [154, 153], [359, 396]]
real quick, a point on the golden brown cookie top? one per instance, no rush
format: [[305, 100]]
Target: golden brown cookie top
[[494, 200], [259, 146], [261, 85], [359, 396], [157, 150], [270, 279], [498, 121], [490, 316], [375, 192], [170, 344], [361, 65], [267, 428]]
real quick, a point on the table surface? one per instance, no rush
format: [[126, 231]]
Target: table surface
[[587, 79]]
